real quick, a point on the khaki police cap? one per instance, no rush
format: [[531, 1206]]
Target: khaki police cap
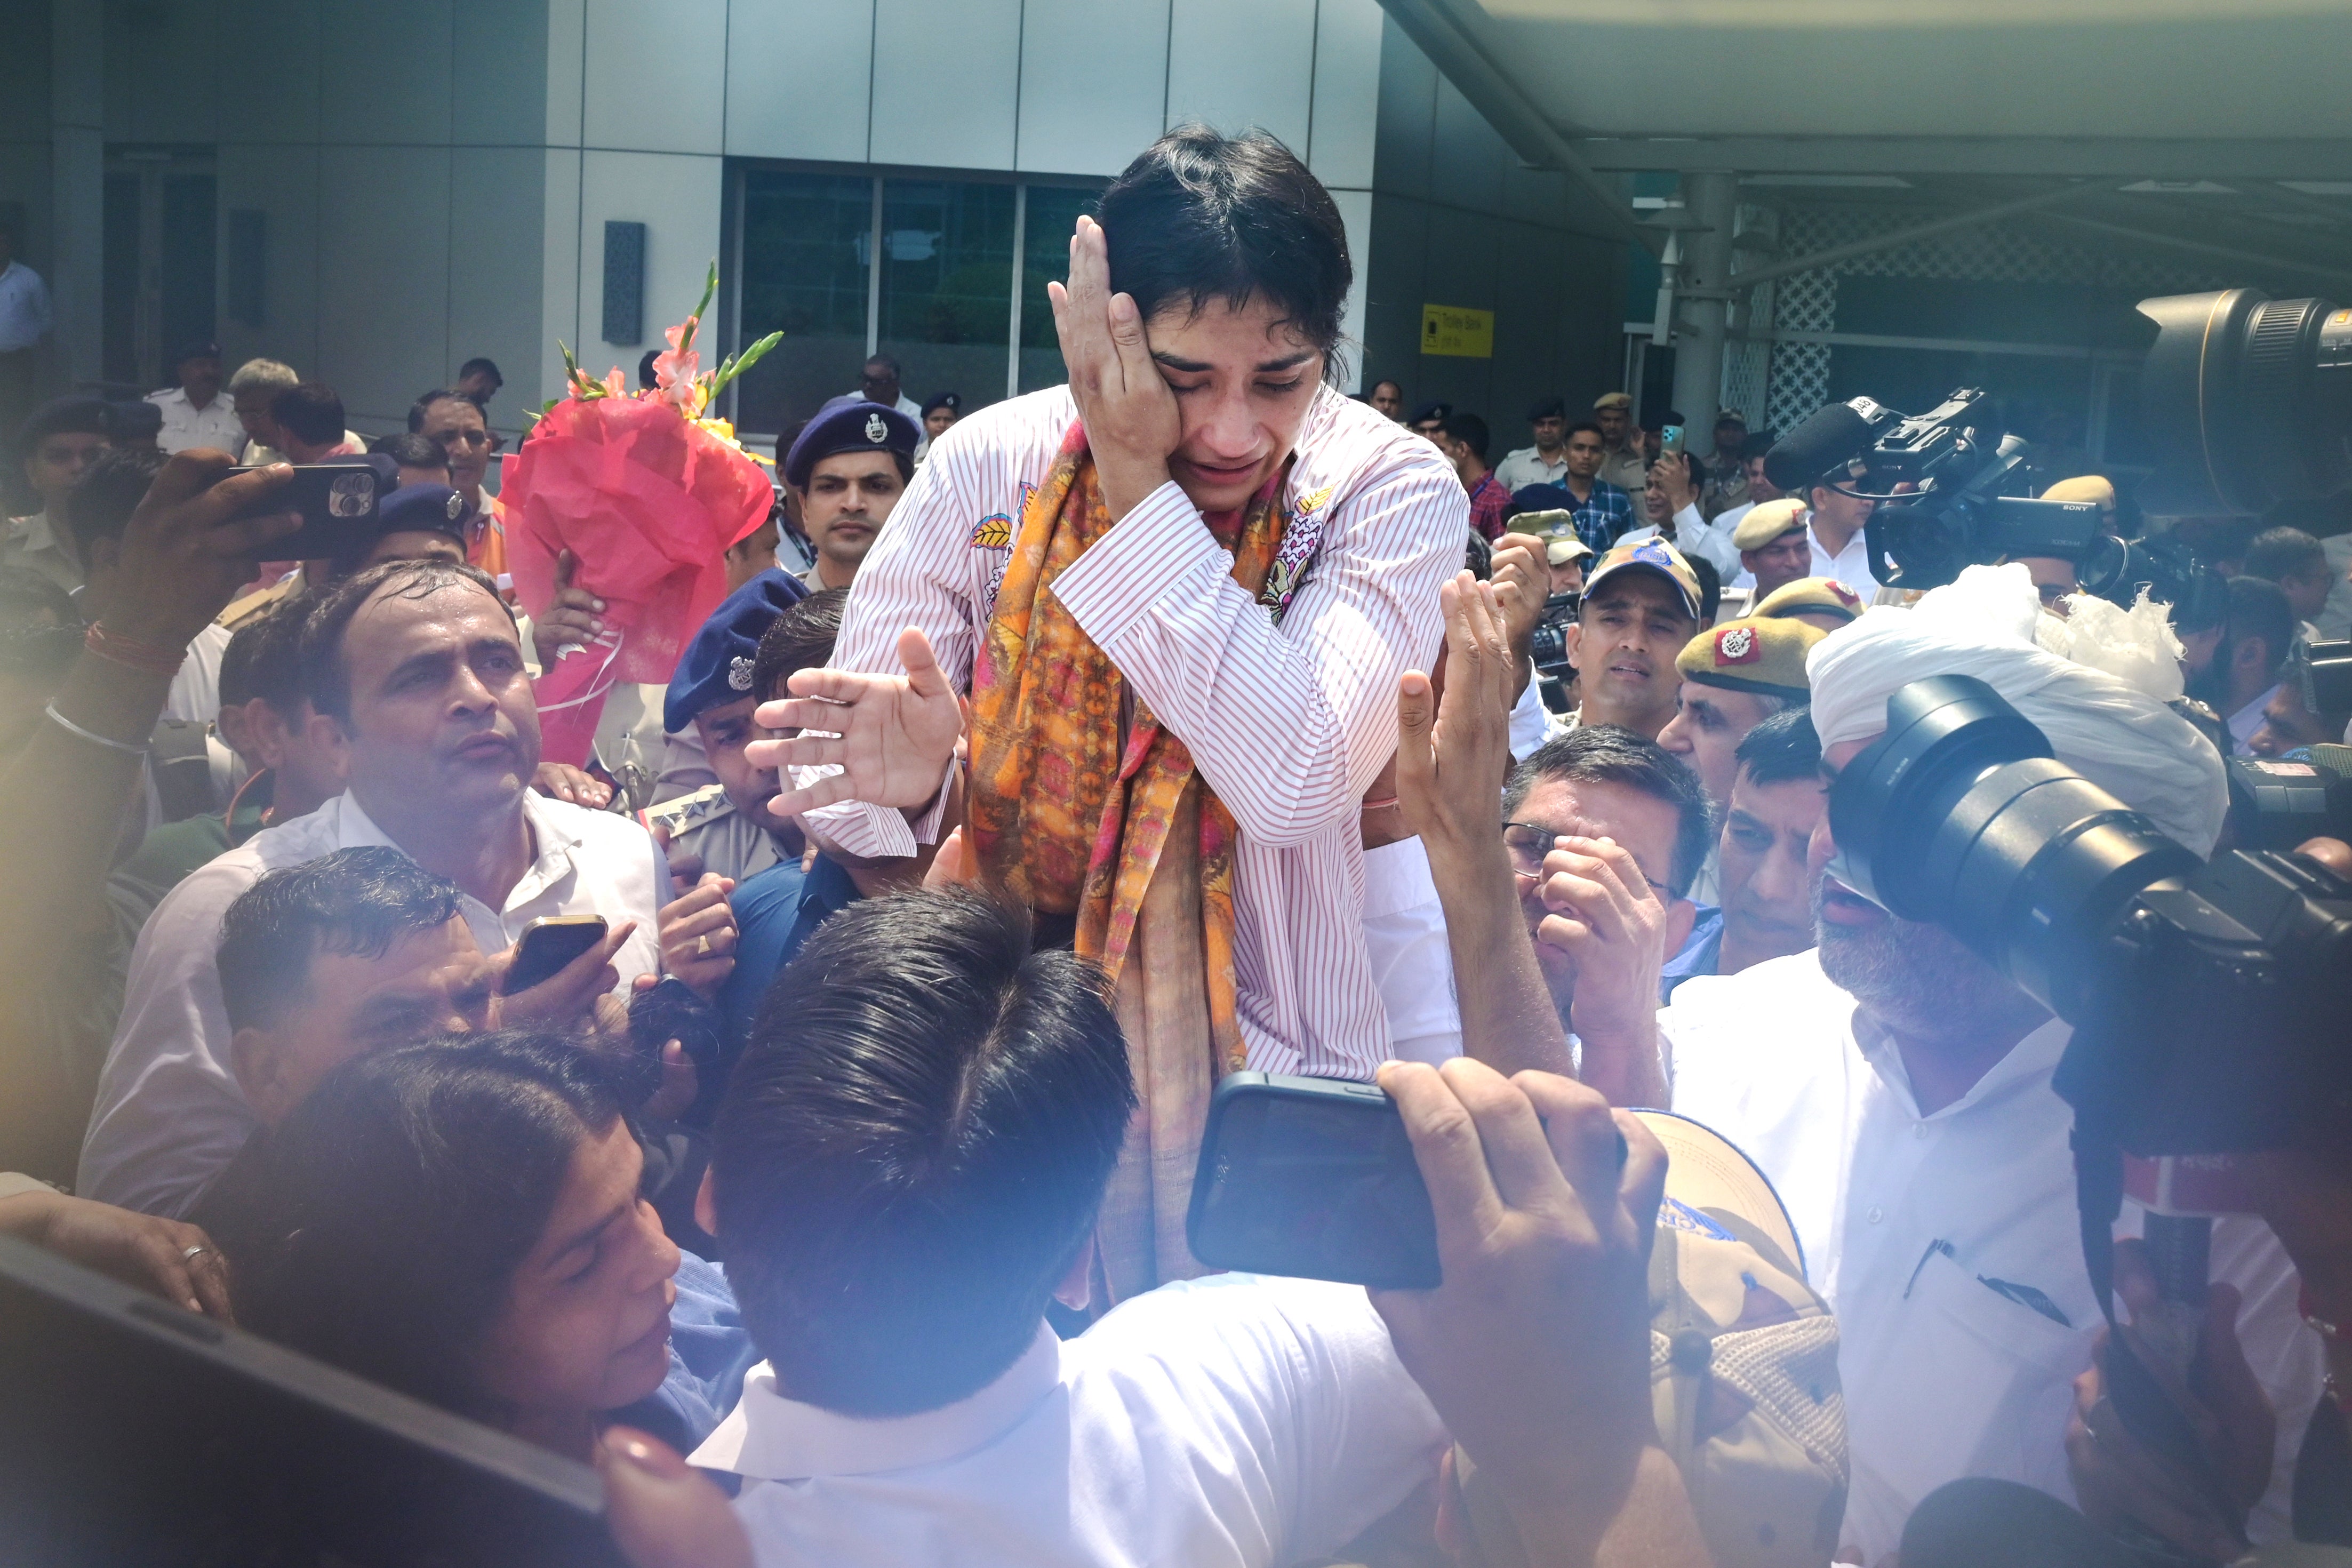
[[1767, 521], [1811, 595], [1752, 654]]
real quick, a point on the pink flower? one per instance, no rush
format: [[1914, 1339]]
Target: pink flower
[[615, 384], [676, 372]]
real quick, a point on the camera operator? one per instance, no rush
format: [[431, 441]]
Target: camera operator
[[2234, 667], [1896, 1089]]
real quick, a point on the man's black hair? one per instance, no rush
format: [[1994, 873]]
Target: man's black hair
[[101, 503], [1609, 753], [886, 361], [310, 412], [1554, 407], [913, 1148], [391, 1209], [424, 406], [61, 416], [327, 678], [1200, 217], [133, 423], [269, 646], [1385, 380], [471, 365], [2281, 552], [647, 376], [1783, 747], [800, 638], [1576, 425], [1759, 443], [1470, 430], [2258, 608], [1710, 586], [357, 901], [410, 450]]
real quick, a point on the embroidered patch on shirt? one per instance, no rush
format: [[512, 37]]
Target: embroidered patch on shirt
[[993, 531], [1301, 538]]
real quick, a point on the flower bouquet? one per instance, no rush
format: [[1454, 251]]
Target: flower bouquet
[[648, 495]]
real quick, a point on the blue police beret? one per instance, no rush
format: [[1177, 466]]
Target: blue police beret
[[1545, 497], [427, 507], [716, 665], [849, 425]]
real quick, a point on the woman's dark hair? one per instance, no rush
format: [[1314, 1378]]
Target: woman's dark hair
[[913, 1149], [390, 1211], [1200, 217]]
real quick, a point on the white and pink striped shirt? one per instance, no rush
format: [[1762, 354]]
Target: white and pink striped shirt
[[1287, 721]]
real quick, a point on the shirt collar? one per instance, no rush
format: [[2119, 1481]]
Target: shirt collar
[[770, 1437], [551, 831], [2028, 1066]]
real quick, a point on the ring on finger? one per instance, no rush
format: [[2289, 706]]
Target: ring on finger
[[188, 1254], [702, 946]]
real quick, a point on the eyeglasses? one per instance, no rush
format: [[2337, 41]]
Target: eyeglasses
[[1529, 842], [465, 437]]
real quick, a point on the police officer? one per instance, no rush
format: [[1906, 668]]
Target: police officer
[[723, 830], [849, 467]]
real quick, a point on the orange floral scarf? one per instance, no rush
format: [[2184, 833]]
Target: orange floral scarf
[[1126, 839]]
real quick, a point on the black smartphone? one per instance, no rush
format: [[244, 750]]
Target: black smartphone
[[1315, 1178], [338, 502], [132, 1431], [548, 944]]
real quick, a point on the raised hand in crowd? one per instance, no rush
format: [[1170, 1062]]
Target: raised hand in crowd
[[575, 616], [176, 1261], [1132, 423], [1673, 469], [699, 935], [1546, 1204], [1522, 583], [1609, 917], [578, 994], [1454, 751], [891, 735], [561, 781]]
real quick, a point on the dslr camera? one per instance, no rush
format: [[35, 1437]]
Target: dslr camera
[[1938, 479], [1549, 648]]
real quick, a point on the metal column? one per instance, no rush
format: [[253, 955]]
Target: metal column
[[1712, 200]]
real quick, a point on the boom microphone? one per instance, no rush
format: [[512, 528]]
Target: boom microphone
[[1823, 441]]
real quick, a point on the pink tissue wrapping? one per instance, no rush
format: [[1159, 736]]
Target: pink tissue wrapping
[[648, 504]]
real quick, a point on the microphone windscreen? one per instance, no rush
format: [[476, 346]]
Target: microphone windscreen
[[1820, 443]]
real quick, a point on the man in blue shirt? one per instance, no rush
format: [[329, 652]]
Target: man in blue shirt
[[1602, 511]]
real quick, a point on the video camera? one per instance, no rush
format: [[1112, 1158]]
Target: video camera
[[1938, 478], [2208, 997], [1549, 648], [2277, 803]]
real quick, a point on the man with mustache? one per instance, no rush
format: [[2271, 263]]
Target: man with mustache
[[418, 663]]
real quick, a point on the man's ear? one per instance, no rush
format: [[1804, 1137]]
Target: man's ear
[[705, 1205], [327, 733], [235, 727], [260, 1072], [1077, 1289], [265, 731], [2250, 653], [1571, 636]]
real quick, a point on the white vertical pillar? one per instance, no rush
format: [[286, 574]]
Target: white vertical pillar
[[1713, 200], [1013, 325], [76, 189]]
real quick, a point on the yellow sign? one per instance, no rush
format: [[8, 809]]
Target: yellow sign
[[1451, 330]]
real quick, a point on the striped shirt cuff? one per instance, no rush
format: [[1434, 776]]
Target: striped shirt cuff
[[1146, 555]]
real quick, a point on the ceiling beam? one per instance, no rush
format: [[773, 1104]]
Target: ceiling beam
[[2202, 247], [1516, 120], [1892, 238], [2089, 157]]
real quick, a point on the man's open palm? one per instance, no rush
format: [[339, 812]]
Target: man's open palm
[[890, 736]]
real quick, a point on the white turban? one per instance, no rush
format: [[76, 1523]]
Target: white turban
[[2105, 715]]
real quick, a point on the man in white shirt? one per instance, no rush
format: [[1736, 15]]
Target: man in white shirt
[[195, 412], [1896, 1089], [419, 664], [251, 390], [23, 323], [903, 1175], [1546, 462], [1840, 549], [879, 382]]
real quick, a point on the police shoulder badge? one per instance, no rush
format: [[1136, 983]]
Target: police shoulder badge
[[875, 431], [739, 673]]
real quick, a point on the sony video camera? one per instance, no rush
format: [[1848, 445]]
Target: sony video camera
[[2209, 998], [1549, 647], [1938, 479]]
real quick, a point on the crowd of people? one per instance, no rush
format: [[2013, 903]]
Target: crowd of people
[[1185, 719]]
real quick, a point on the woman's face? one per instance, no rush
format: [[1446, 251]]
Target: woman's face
[[936, 422], [586, 1322]]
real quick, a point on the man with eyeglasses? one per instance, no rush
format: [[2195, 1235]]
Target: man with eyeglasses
[[1625, 824], [455, 421]]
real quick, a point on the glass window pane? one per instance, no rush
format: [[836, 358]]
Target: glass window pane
[[1045, 257], [804, 270], [947, 288]]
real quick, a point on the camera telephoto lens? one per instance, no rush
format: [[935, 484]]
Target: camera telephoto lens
[[2249, 399]]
